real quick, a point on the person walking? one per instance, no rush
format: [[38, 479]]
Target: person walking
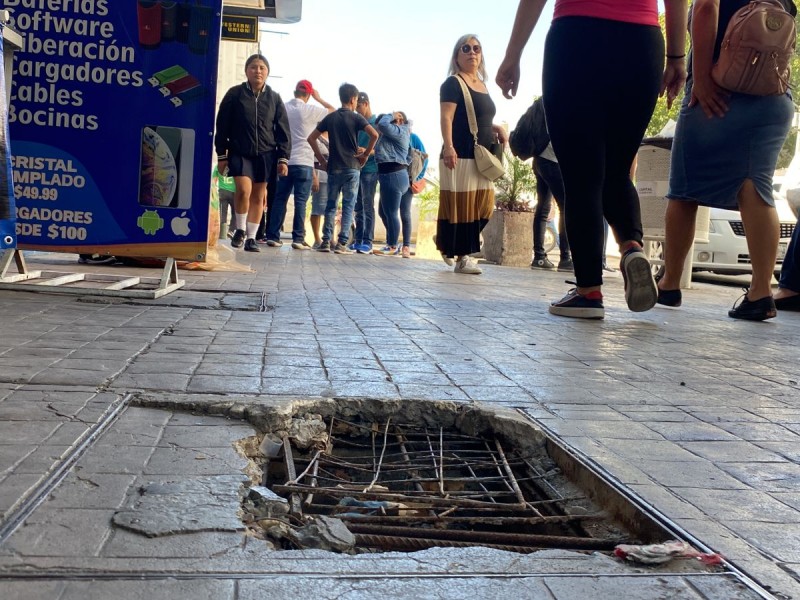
[[466, 198], [252, 134], [711, 166], [549, 185], [303, 118], [614, 48], [343, 164], [788, 295]]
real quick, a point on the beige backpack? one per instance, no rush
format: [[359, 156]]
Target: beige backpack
[[755, 52]]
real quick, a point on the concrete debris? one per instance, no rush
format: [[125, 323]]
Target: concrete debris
[[262, 503], [324, 533], [308, 431]]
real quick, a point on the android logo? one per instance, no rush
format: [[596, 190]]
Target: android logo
[[150, 222]]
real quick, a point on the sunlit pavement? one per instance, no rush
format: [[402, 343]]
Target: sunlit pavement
[[696, 414]]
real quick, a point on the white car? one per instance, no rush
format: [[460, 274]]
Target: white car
[[726, 250]]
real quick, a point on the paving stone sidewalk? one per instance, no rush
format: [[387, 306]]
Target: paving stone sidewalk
[[696, 414]]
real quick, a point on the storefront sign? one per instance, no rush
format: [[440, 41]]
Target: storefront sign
[[239, 29], [111, 121]]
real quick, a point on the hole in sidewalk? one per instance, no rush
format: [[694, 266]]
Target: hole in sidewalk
[[377, 476]]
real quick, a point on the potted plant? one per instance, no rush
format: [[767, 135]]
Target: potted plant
[[508, 237]]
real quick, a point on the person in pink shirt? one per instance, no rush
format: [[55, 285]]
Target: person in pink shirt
[[604, 68]]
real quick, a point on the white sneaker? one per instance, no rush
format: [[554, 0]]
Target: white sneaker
[[467, 266]]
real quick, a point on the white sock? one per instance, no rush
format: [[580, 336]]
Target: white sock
[[241, 219], [252, 229]]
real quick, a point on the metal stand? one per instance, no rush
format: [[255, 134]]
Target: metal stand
[[89, 284]]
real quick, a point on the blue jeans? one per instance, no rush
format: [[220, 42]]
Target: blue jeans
[[365, 208], [790, 270], [393, 186], [345, 182], [405, 215], [299, 179]]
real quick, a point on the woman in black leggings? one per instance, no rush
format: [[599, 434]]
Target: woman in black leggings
[[603, 72]]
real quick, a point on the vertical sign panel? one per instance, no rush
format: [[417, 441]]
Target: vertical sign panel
[[7, 216], [111, 117]]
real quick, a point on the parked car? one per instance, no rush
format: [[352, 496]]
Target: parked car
[[726, 250]]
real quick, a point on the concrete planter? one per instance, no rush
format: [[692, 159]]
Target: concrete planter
[[508, 238], [425, 247]]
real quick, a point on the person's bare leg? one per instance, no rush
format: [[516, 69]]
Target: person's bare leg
[[316, 227], [258, 199], [241, 198], [678, 240], [762, 231]]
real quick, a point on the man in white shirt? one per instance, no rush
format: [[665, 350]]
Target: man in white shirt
[[303, 119]]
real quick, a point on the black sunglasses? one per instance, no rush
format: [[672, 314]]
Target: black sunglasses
[[466, 48]]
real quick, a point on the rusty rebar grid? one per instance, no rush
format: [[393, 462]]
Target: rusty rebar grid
[[423, 487]]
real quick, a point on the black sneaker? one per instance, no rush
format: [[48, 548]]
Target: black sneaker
[[325, 246], [577, 306], [641, 292], [542, 263], [754, 310], [671, 298], [238, 238], [251, 246], [565, 265]]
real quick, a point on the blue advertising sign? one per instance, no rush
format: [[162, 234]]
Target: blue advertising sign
[[111, 120]]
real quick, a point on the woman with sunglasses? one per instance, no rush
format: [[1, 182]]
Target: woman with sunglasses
[[466, 198], [615, 49]]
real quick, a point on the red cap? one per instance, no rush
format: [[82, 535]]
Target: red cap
[[304, 85]]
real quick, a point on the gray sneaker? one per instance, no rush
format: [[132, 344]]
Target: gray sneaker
[[301, 246], [324, 246], [316, 245], [342, 249], [274, 243]]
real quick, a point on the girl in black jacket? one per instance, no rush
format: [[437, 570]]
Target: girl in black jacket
[[252, 137]]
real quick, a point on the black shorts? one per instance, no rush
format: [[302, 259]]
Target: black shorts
[[257, 168]]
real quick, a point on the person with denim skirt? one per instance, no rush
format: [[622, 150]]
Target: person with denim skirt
[[391, 154], [367, 186], [343, 164], [303, 118]]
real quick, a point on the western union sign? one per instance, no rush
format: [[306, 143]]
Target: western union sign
[[239, 28]]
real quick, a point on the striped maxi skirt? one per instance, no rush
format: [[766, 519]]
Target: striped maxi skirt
[[466, 202]]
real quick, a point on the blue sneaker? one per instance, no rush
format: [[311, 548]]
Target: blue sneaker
[[577, 306], [354, 246], [364, 248]]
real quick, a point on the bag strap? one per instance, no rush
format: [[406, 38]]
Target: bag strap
[[473, 122]]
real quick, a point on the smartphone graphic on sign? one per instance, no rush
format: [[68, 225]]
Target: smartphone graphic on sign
[[166, 167]]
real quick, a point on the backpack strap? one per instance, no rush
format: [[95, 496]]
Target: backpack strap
[[473, 122]]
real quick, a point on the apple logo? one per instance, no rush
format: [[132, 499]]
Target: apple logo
[[180, 225]]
